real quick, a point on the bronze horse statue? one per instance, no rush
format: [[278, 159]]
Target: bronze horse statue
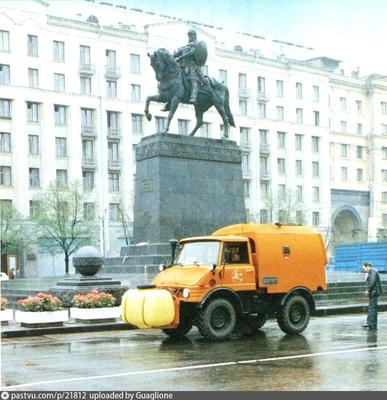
[[173, 90]]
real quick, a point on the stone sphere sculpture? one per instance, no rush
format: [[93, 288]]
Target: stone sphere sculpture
[[87, 261]]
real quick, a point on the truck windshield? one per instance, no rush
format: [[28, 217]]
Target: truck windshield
[[199, 253]]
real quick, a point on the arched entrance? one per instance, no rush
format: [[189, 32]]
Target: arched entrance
[[347, 226]]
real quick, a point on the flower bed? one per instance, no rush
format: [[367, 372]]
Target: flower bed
[[40, 311], [6, 315]]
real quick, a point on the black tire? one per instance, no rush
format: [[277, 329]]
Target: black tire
[[217, 320], [293, 317], [181, 331], [257, 322]]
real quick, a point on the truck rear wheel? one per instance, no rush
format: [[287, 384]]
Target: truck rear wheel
[[293, 317], [217, 320]]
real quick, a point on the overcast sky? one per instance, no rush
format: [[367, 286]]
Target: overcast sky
[[351, 30]]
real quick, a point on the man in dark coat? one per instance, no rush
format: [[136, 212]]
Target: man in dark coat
[[374, 290]]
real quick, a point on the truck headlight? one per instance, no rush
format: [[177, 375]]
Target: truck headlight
[[186, 293]]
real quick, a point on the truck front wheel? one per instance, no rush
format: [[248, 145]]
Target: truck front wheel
[[217, 320], [293, 317]]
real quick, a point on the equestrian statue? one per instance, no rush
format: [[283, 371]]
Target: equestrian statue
[[180, 80]]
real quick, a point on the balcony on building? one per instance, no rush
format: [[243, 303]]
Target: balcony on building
[[264, 148], [114, 164], [243, 93], [262, 96], [88, 162], [265, 175], [112, 72], [245, 145], [87, 69], [88, 131], [246, 173], [114, 133]]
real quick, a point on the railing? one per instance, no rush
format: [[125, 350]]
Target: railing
[[87, 69], [89, 131], [264, 148], [244, 93], [114, 133], [89, 162], [115, 163], [112, 71]]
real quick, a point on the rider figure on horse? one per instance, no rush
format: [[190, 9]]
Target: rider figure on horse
[[190, 58]]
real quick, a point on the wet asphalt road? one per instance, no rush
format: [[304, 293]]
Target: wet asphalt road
[[334, 353]]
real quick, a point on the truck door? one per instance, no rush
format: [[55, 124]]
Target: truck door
[[237, 270]]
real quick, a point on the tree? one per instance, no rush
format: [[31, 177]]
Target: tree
[[59, 213], [126, 220], [14, 232]]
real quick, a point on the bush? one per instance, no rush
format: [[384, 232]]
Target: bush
[[40, 302], [3, 303], [94, 299]]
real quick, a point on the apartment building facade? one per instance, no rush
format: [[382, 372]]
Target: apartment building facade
[[72, 91]]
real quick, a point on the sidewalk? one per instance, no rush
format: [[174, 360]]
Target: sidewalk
[[324, 308]]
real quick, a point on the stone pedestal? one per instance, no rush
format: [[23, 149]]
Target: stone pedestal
[[186, 186]]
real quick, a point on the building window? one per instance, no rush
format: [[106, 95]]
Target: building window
[[279, 113], [5, 175], [359, 106], [86, 86], [298, 167], [384, 153], [205, 130], [316, 117], [84, 55], [264, 216], [4, 74], [88, 211], [58, 51], [281, 166], [299, 116], [281, 140], [241, 81], [384, 220], [383, 106], [360, 175], [114, 212], [183, 126], [161, 123], [299, 139], [315, 169], [261, 85], [316, 93], [242, 107], [87, 118], [359, 152], [114, 181], [279, 85], [113, 151], [223, 76], [384, 129], [111, 59], [88, 180], [4, 41], [344, 173], [32, 112], [111, 89], [264, 165], [359, 129], [5, 142], [315, 144], [33, 145], [59, 82], [343, 104], [344, 150], [137, 123], [298, 90], [135, 64], [316, 194], [246, 188], [281, 192], [34, 177], [61, 177], [299, 193], [34, 207], [300, 218], [384, 197], [60, 114], [61, 147], [113, 122], [5, 108], [261, 110], [343, 126], [245, 136], [135, 93], [33, 78], [32, 45], [246, 163], [263, 136], [384, 175], [264, 191], [316, 218], [88, 150]]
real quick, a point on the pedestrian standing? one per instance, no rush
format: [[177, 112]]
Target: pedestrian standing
[[374, 290]]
